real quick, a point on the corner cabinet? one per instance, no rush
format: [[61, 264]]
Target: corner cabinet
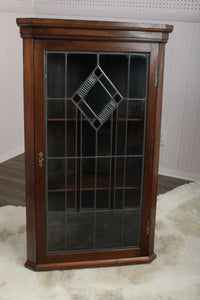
[[92, 103]]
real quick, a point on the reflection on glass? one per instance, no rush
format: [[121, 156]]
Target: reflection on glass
[[56, 75], [80, 231], [108, 229], [56, 201], [56, 233], [131, 229], [56, 174]]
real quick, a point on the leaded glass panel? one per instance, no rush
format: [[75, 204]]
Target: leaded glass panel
[[95, 127]]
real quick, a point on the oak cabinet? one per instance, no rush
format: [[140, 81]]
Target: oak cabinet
[[92, 101]]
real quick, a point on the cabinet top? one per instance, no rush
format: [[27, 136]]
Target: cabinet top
[[39, 28]]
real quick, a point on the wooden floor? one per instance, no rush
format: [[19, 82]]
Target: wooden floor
[[12, 182]]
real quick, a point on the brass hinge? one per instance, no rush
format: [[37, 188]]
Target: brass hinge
[[40, 159], [156, 78], [148, 226]]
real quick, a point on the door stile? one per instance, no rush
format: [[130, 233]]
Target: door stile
[[40, 138]]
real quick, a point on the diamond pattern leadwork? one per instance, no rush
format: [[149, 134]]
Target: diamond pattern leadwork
[[94, 100]]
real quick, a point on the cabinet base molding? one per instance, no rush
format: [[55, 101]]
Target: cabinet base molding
[[89, 264]]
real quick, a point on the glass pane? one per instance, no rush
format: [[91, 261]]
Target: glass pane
[[71, 110], [79, 67], [97, 98], [116, 68], [55, 138], [56, 174], [132, 198], [104, 139], [119, 172], [56, 201], [88, 173], [103, 172], [121, 138], [55, 109], [71, 138], [122, 110], [87, 200], [108, 85], [119, 198], [71, 174], [131, 229], [138, 76], [56, 75], [70, 205], [88, 149], [133, 172], [88, 139], [136, 110], [86, 110], [56, 233], [135, 131], [102, 199], [80, 231], [108, 229]]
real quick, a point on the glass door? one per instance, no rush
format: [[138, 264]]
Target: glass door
[[95, 144]]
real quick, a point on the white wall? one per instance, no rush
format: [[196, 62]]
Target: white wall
[[180, 154], [11, 88]]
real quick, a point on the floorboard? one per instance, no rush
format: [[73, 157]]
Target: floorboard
[[12, 182]]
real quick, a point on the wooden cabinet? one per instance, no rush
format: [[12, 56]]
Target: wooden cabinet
[[92, 102]]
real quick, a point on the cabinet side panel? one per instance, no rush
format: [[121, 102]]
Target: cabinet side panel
[[149, 154], [156, 144], [29, 149]]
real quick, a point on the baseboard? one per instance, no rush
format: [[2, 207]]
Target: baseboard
[[12, 153], [179, 174]]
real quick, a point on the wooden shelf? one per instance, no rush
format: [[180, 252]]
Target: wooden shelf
[[91, 189]]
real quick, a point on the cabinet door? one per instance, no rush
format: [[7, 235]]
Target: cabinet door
[[95, 120], [95, 123]]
